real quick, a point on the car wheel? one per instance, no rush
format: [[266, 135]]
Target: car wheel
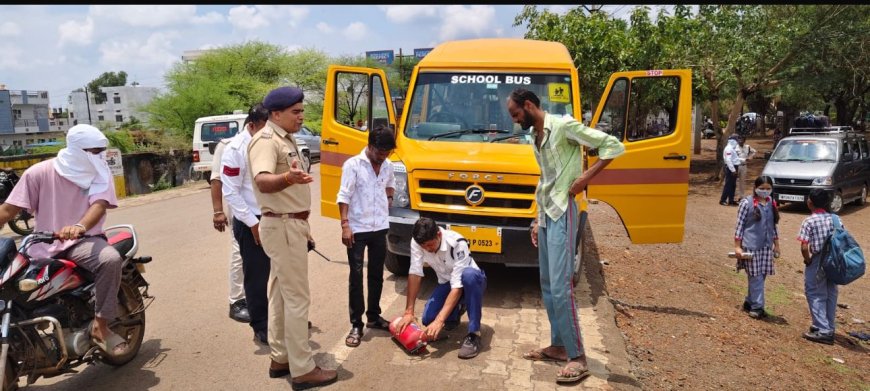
[[837, 202], [863, 199], [397, 264]]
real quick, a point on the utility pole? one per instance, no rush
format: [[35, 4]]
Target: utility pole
[[88, 102]]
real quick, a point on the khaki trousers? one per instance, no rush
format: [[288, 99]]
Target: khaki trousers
[[286, 243]]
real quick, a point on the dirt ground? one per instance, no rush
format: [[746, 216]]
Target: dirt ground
[[679, 305]]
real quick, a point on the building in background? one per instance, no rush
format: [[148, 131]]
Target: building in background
[[25, 119], [121, 105]]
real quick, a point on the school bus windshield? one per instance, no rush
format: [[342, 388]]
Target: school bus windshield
[[472, 107]]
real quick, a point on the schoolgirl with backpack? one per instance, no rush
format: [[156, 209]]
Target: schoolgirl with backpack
[[756, 243], [831, 257]]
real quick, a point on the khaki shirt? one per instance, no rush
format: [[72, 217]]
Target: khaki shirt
[[272, 150]]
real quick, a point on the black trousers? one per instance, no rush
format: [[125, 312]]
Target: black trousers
[[255, 265], [730, 186], [377, 244]]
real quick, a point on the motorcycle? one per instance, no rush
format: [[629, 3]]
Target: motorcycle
[[23, 223], [47, 306]]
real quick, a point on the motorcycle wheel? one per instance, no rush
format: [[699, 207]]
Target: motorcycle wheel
[[129, 300], [23, 223]]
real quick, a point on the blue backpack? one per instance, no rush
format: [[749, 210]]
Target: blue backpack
[[842, 258]]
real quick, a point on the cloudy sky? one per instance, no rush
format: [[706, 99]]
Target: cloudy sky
[[59, 48]]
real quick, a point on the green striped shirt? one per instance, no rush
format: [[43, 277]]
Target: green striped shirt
[[561, 161]]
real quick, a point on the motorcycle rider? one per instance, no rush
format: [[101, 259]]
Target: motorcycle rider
[[69, 195]]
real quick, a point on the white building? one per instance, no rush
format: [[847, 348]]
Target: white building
[[122, 104], [25, 118]]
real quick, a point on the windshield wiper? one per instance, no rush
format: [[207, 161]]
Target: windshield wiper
[[467, 131], [506, 137]]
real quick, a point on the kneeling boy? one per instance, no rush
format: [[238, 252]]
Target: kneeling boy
[[460, 284]]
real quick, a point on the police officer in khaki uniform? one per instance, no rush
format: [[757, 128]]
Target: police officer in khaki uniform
[[281, 188]]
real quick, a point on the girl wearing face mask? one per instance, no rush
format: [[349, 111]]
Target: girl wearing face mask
[[756, 242]]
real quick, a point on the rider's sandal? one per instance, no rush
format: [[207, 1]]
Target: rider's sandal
[[540, 355], [111, 344]]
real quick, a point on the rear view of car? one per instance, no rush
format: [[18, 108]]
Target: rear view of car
[[207, 132]]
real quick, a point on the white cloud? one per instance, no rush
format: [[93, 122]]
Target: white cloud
[[9, 29], [290, 14], [247, 18], [407, 13], [355, 31], [324, 28], [76, 32], [156, 50], [146, 15], [209, 18], [12, 58], [292, 48], [460, 21]]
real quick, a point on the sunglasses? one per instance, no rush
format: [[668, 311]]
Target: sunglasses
[[95, 151]]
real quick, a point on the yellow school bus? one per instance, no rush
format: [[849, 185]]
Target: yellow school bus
[[462, 161]]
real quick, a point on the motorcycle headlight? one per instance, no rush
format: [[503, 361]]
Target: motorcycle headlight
[[401, 197], [823, 181]]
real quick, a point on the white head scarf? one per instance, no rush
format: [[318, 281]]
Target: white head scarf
[[81, 167]]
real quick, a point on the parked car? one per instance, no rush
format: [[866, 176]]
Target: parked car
[[311, 139], [834, 158]]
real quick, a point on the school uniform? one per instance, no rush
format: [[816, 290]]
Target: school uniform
[[757, 231], [454, 268], [821, 293]]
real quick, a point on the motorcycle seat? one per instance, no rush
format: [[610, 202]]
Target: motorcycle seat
[[123, 242]]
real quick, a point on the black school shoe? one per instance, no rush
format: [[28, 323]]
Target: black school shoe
[[470, 346], [758, 314], [816, 336]]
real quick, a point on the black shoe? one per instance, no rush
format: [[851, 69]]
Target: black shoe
[[239, 311], [381, 324], [758, 314], [819, 337], [451, 325], [723, 203], [261, 337], [470, 346], [746, 307]]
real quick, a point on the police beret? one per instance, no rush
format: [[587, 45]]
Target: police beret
[[282, 98]]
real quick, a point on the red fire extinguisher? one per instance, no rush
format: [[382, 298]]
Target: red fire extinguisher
[[413, 339]]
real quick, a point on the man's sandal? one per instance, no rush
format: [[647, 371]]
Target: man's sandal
[[540, 355], [572, 373], [353, 337], [112, 344]]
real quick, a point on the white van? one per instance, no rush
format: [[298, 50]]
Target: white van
[[208, 131]]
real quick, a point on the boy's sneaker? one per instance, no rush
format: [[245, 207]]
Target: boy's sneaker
[[816, 336], [470, 346], [746, 306]]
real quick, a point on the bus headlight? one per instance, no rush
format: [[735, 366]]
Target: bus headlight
[[401, 197]]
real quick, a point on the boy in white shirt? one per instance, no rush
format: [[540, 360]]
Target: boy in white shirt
[[460, 284]]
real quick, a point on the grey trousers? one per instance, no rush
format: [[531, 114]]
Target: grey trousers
[[98, 257]]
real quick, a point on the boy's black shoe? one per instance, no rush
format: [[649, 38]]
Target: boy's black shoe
[[816, 336], [746, 306], [239, 311], [470, 346], [758, 314]]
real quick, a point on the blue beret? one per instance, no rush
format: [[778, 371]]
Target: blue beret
[[282, 98]]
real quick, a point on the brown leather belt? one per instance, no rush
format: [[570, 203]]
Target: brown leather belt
[[299, 215]]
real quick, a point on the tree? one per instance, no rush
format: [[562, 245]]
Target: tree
[[107, 79], [598, 43], [235, 78]]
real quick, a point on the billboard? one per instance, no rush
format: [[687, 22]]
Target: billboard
[[420, 53], [382, 56]]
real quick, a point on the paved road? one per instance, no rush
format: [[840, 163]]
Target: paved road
[[191, 344]]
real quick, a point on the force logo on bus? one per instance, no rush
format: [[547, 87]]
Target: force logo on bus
[[490, 79], [474, 195]]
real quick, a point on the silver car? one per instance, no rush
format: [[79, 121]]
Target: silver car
[[311, 139], [834, 159]]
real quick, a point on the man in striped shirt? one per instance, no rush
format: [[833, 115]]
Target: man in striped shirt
[[558, 150]]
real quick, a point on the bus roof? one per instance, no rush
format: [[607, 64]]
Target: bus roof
[[499, 53]]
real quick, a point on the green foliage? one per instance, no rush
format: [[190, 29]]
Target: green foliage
[[49, 149], [107, 79], [235, 78], [122, 140]]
